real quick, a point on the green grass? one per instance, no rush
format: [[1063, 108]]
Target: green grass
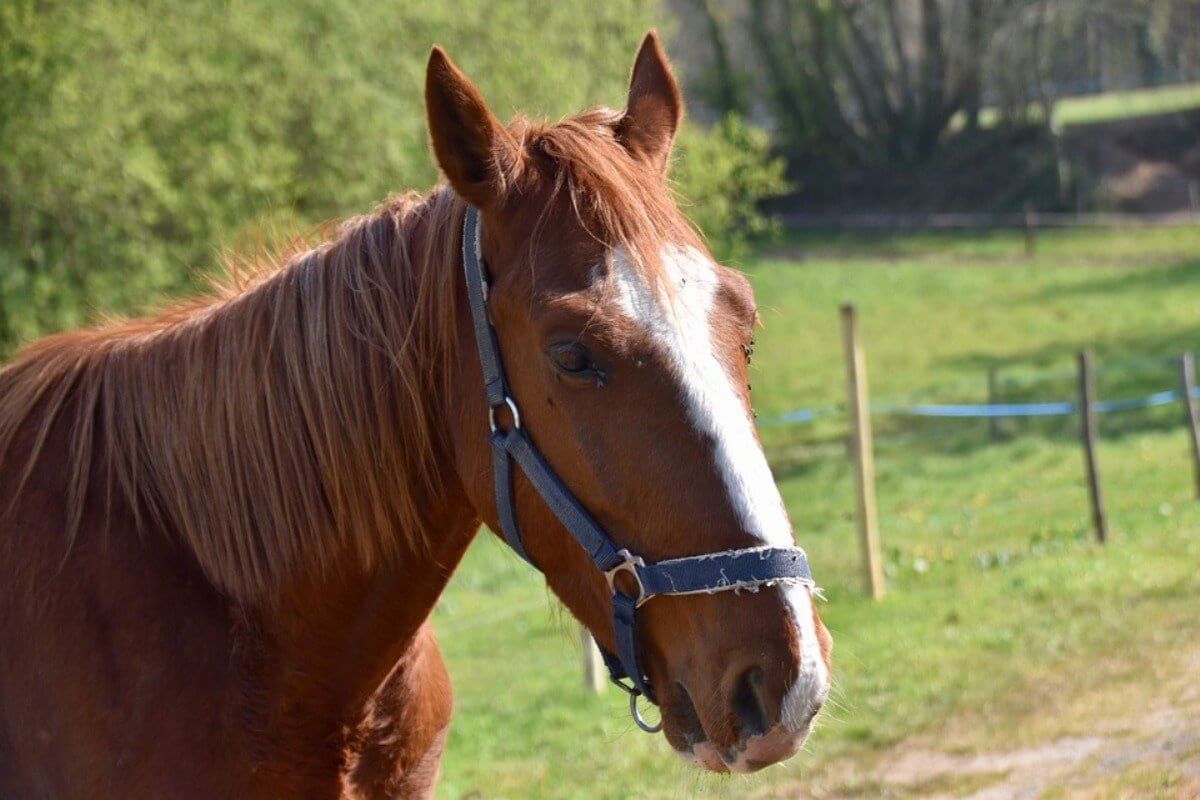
[[1108, 106], [998, 597], [1120, 105]]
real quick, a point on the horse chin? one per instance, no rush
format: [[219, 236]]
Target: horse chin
[[688, 738], [773, 747]]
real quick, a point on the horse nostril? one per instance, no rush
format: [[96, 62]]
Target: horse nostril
[[749, 705]]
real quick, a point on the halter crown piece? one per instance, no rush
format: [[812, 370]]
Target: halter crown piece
[[748, 568]]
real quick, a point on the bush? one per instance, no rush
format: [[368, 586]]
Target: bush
[[723, 174], [138, 138]]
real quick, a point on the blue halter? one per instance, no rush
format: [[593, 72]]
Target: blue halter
[[748, 568]]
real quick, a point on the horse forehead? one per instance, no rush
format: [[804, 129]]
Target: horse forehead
[[670, 304]]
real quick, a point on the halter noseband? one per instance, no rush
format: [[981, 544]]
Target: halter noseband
[[748, 568]]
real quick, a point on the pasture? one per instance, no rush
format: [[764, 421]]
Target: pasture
[[1121, 105], [1005, 626], [1087, 109]]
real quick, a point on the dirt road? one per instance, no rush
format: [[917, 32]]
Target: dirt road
[[1137, 736]]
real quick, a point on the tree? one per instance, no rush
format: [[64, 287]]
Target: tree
[[868, 80], [139, 138]]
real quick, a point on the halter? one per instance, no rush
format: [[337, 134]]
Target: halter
[[731, 570]]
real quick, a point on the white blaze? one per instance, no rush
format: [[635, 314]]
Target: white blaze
[[682, 329]]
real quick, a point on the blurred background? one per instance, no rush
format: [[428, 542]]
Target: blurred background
[[996, 185]]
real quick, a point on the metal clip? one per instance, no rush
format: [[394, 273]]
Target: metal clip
[[630, 564], [512, 407]]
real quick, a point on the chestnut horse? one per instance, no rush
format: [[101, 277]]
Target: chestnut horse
[[225, 528]]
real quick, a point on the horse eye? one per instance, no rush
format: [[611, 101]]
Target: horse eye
[[572, 359]]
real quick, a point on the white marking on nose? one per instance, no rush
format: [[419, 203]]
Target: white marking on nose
[[682, 329], [806, 695]]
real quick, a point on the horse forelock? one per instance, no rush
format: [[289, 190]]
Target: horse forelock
[[619, 200]]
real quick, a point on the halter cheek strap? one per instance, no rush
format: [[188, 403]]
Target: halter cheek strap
[[730, 570]]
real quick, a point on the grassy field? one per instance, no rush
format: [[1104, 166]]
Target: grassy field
[[1107, 106], [1134, 103], [1004, 623]]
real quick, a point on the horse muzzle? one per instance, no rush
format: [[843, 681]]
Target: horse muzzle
[[745, 705]]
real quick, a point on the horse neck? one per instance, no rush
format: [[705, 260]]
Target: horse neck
[[336, 631], [331, 640], [296, 427], [290, 437]]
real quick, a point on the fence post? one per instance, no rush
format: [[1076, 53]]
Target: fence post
[[1030, 230], [1087, 412], [993, 399], [595, 674], [1187, 375], [863, 454]]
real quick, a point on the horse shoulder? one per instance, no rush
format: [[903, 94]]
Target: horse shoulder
[[395, 750], [109, 639]]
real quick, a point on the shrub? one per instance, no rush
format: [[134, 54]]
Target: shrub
[[722, 175], [136, 139]]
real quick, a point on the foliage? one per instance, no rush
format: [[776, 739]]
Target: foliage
[[718, 84], [723, 174], [137, 138], [863, 92], [871, 81]]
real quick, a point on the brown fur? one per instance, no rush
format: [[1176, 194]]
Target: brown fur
[[225, 527]]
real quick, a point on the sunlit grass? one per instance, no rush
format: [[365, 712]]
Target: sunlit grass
[[1107, 106], [1133, 103]]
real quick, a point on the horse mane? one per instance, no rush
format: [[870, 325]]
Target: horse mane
[[259, 423], [617, 198]]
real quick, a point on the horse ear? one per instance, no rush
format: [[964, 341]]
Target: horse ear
[[470, 144], [655, 106]]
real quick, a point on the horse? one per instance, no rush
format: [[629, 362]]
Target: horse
[[226, 526]]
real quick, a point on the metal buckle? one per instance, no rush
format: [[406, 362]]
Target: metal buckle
[[630, 565], [512, 407]]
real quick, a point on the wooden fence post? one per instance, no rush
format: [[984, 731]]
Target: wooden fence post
[[1187, 375], [993, 399], [595, 674], [1087, 413], [1030, 230], [863, 453]]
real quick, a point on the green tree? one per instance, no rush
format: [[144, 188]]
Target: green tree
[[137, 138], [723, 174]]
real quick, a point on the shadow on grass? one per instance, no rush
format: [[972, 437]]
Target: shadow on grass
[[984, 247], [1168, 275], [806, 451]]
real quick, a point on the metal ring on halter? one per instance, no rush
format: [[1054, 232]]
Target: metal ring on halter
[[512, 407], [629, 565], [637, 716]]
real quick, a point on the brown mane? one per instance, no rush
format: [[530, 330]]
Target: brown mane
[[618, 200], [257, 410], [254, 423]]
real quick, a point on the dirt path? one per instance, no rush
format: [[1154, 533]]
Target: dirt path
[[1159, 759], [1138, 737]]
